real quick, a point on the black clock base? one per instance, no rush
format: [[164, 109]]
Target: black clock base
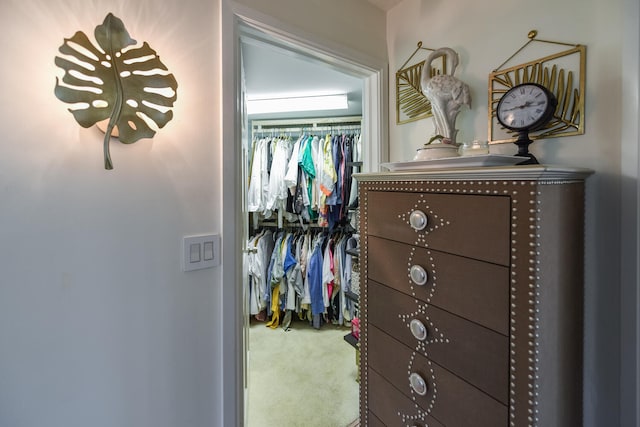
[[529, 159], [523, 142]]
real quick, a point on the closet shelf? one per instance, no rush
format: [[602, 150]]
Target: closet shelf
[[353, 252], [291, 225], [351, 339], [307, 122]]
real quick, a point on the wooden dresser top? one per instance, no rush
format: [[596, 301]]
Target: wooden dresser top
[[524, 172]]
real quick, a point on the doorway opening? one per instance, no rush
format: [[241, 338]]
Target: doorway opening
[[242, 27]]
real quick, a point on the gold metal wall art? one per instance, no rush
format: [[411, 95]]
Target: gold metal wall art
[[563, 73], [411, 104], [115, 83]]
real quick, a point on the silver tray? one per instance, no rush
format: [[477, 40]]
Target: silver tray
[[455, 162]]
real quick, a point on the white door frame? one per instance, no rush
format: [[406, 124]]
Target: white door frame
[[235, 19]]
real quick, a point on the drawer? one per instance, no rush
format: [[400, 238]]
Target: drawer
[[475, 290], [474, 226], [449, 399], [386, 404], [472, 352]]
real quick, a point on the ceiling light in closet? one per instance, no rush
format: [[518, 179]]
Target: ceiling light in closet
[[301, 103]]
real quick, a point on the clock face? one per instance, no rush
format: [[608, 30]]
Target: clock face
[[527, 106]]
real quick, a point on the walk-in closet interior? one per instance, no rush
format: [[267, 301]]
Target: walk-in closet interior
[[301, 251]]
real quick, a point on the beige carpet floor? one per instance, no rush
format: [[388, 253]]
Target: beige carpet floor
[[303, 377]]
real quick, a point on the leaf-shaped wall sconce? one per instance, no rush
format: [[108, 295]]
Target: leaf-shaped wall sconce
[[116, 82]]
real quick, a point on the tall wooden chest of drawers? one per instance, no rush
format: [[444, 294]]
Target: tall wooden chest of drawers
[[471, 297]]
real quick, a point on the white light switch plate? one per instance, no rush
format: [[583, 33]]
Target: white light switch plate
[[202, 251]]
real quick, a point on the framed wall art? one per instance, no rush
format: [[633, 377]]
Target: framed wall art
[[561, 72]]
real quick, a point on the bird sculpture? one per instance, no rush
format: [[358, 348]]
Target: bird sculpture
[[446, 93]]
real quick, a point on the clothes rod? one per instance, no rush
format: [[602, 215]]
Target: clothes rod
[[285, 130], [308, 122]]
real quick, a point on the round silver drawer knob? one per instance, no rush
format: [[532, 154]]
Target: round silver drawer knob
[[418, 220], [418, 329], [418, 275], [418, 384]]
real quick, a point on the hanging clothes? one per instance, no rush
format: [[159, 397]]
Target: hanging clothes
[[259, 176], [307, 275], [356, 147], [277, 190], [306, 181], [309, 180], [257, 262]]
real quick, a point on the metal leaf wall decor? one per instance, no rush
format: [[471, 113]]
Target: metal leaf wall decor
[[411, 104], [115, 80], [563, 73]]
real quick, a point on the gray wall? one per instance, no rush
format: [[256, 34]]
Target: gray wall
[[486, 34]]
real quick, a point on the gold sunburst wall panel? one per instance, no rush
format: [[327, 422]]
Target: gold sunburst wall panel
[[411, 104], [563, 74]]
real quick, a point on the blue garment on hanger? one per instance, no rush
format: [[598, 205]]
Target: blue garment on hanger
[[289, 260], [314, 278]]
